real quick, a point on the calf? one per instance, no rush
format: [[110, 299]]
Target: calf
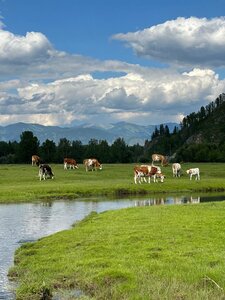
[[194, 171], [45, 171]]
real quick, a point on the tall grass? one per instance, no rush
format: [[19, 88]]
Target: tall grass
[[157, 252], [21, 182]]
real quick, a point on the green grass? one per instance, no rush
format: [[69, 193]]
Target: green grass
[[157, 252], [21, 182]]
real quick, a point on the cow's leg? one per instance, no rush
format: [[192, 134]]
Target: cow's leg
[[40, 175]]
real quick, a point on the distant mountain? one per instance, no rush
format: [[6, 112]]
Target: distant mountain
[[131, 133]]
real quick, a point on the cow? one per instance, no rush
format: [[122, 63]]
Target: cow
[[159, 158], [194, 171], [176, 168], [36, 160], [150, 168], [71, 163], [142, 172], [45, 171], [92, 164]]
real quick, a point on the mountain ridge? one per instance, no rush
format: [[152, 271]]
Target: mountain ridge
[[130, 132]]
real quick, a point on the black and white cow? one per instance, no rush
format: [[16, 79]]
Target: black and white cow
[[45, 171]]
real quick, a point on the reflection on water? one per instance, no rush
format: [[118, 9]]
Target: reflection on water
[[167, 200], [26, 222]]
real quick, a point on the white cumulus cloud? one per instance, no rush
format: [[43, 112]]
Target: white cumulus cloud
[[183, 41]]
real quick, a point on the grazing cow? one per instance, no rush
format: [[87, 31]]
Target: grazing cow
[[71, 163], [92, 164], [150, 170], [176, 168], [142, 172], [45, 171], [194, 171], [159, 158], [36, 160]]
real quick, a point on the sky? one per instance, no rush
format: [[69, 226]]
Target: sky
[[72, 62]]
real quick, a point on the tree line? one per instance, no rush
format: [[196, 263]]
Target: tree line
[[50, 152]]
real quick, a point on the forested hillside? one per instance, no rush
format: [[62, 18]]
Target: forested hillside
[[201, 136]]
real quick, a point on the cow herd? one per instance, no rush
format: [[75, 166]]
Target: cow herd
[[151, 171], [142, 173], [45, 170]]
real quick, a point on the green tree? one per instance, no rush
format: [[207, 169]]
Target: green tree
[[104, 152], [48, 151], [92, 149], [28, 146], [77, 151], [63, 149], [120, 152]]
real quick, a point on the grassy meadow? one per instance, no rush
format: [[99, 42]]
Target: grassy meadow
[[21, 182], [157, 252]]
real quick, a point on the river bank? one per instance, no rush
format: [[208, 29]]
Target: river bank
[[157, 252]]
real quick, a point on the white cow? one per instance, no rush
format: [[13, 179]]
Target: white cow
[[194, 171], [176, 168]]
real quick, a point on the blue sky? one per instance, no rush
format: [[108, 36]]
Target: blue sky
[[93, 61]]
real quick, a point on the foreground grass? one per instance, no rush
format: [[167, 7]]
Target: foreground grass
[[157, 252], [21, 182]]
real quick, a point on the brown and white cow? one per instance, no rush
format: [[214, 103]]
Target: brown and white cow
[[144, 171], [36, 160], [92, 164], [159, 158], [71, 163], [195, 172], [150, 170]]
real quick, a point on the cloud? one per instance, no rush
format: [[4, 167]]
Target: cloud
[[183, 41], [142, 98], [43, 85], [33, 56], [23, 50]]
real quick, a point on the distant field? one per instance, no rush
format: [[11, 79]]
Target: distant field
[[21, 182]]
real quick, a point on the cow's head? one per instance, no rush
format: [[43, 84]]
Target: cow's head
[[160, 176]]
